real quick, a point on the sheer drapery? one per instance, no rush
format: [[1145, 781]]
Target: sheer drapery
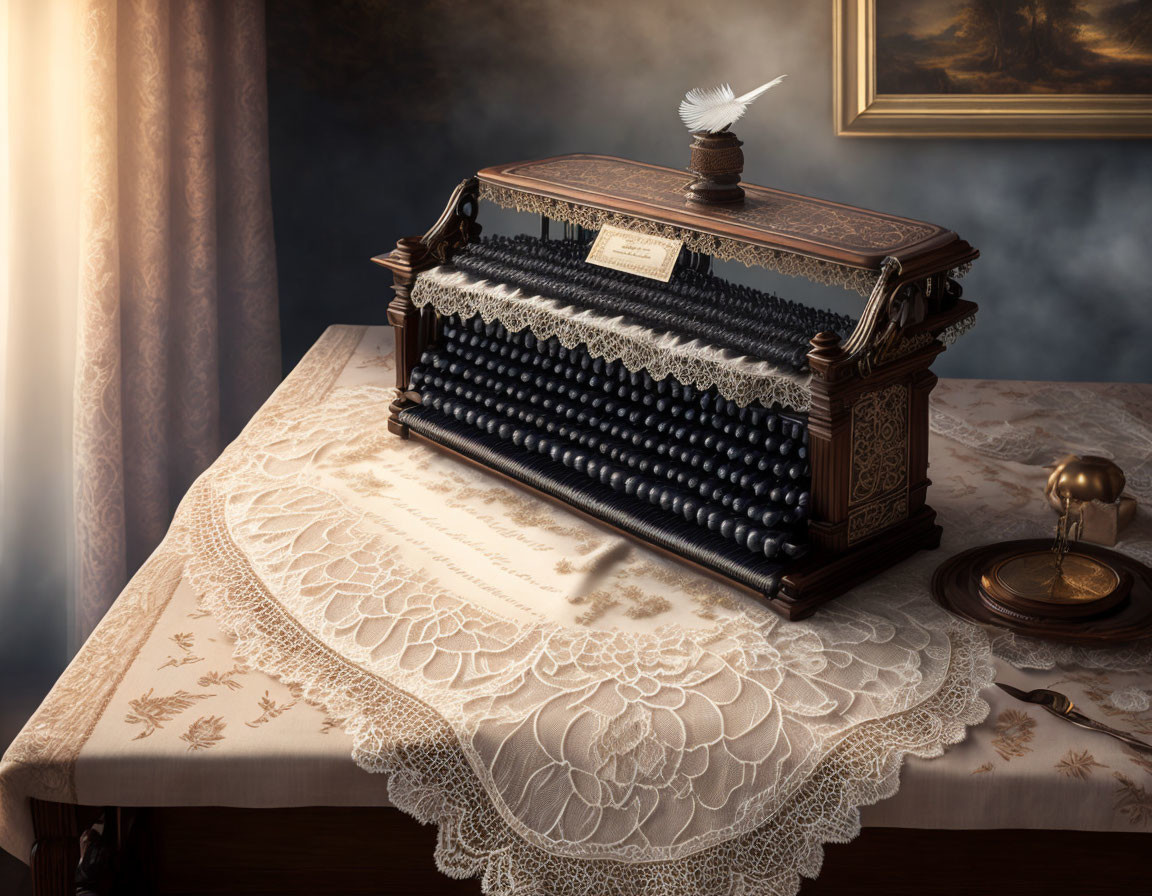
[[149, 316], [177, 337]]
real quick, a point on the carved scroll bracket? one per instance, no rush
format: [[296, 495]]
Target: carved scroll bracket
[[876, 325]]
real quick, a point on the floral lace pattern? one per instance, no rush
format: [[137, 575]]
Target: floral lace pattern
[[680, 751]]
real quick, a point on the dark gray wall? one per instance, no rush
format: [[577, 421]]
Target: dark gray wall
[[379, 108]]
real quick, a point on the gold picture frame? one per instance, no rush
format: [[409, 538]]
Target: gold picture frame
[[862, 112]]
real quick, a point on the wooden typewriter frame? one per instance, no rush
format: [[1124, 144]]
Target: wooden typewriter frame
[[868, 414]]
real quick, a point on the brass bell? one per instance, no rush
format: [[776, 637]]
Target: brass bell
[[1094, 488]]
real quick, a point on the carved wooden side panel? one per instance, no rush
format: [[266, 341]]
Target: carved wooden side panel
[[878, 475]]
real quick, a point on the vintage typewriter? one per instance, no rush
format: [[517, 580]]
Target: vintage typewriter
[[776, 446]]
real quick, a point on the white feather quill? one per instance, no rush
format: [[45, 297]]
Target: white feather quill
[[712, 109]]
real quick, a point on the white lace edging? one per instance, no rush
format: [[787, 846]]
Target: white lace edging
[[430, 779], [1031, 653], [965, 325], [790, 264], [690, 361]]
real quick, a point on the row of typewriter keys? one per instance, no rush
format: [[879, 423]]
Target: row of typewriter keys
[[739, 472]]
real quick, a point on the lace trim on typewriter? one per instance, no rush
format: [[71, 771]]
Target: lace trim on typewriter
[[787, 263], [742, 379], [958, 329]]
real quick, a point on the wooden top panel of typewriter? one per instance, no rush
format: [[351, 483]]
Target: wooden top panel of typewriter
[[788, 222]]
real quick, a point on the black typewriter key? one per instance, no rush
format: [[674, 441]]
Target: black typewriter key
[[728, 527], [643, 489], [716, 519], [667, 499], [617, 480], [755, 541], [771, 518]]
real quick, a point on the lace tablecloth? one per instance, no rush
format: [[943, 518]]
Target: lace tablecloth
[[544, 691]]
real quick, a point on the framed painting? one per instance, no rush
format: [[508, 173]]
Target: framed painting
[[993, 68]]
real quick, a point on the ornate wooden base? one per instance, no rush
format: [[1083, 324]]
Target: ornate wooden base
[[819, 579]]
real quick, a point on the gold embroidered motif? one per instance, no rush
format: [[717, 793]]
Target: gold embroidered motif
[[641, 604], [984, 769], [1013, 732], [184, 641], [223, 679], [204, 733], [1077, 764], [1132, 800], [177, 662], [152, 711], [270, 710]]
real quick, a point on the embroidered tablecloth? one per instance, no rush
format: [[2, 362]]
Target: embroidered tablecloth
[[544, 691]]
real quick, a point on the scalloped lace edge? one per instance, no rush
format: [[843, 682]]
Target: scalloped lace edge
[[430, 779]]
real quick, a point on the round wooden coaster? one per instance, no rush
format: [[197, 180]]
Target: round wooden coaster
[[994, 585]]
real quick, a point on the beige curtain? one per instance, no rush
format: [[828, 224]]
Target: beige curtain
[[138, 309], [177, 328]]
